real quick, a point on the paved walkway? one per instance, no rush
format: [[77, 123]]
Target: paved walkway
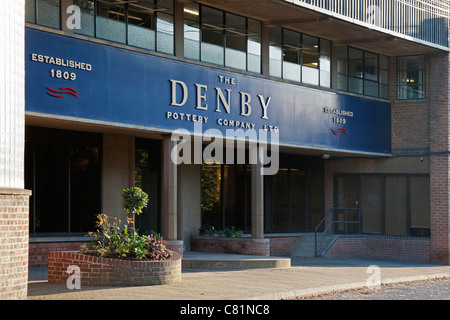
[[305, 277]]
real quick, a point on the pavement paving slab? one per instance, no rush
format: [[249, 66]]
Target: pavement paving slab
[[304, 277]]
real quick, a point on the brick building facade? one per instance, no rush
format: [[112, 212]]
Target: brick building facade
[[358, 102]]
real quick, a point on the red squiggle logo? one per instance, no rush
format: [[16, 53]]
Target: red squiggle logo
[[61, 93], [339, 132]]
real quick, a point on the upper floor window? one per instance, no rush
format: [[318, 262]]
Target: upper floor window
[[299, 57], [222, 38], [145, 24], [363, 72], [43, 12], [411, 77]]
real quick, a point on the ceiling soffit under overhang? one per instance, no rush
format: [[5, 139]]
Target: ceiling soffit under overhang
[[341, 32]]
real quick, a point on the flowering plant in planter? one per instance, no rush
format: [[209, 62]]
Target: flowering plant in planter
[[109, 241]]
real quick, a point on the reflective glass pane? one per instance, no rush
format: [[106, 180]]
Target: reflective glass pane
[[291, 55], [370, 66], [192, 31], [371, 204], [164, 26], [110, 21], [141, 25], [30, 11], [48, 13], [395, 206], [420, 205], [371, 88], [254, 46], [355, 63], [235, 42], [310, 60], [212, 49], [87, 17], [411, 77], [275, 52]]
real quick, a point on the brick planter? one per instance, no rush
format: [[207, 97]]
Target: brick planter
[[257, 247], [96, 271]]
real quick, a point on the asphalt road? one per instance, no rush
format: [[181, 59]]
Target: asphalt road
[[437, 289]]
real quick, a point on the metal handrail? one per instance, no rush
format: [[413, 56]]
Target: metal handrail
[[335, 222]]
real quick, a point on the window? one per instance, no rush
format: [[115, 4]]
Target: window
[[294, 196], [363, 72], [110, 21], [191, 31], [411, 77], [148, 178], [222, 38], [87, 23], [43, 12], [63, 169], [142, 25], [225, 194], [391, 204], [146, 24], [298, 57]]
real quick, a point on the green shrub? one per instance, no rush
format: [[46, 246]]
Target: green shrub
[[109, 241]]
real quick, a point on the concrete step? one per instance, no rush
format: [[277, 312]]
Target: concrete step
[[210, 260]]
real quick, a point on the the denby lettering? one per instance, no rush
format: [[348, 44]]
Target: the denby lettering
[[223, 98]]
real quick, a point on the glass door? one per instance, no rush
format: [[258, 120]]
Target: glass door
[[346, 202]]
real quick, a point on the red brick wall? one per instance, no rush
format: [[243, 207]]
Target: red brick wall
[[13, 243], [258, 247], [38, 255], [410, 118], [281, 246], [389, 247], [96, 271]]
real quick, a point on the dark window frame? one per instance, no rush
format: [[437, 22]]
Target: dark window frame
[[66, 139], [383, 177], [423, 83]]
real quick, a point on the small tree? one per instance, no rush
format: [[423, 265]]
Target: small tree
[[134, 200]]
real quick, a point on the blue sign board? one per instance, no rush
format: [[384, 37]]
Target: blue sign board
[[83, 80]]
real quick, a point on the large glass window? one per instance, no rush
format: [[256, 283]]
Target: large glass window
[[63, 170], [164, 26], [299, 57], [110, 22], [146, 24], [142, 25], [225, 196], [222, 38], [275, 52], [43, 12], [87, 23], [148, 178], [390, 204], [411, 77], [294, 196], [363, 72], [192, 31]]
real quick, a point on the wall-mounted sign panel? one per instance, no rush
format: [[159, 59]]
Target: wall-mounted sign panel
[[80, 79]]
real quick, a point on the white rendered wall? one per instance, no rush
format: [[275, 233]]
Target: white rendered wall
[[12, 93]]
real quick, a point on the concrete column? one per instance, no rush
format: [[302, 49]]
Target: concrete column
[[14, 200], [118, 172], [265, 41], [169, 185], [257, 198], [178, 12], [189, 202]]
